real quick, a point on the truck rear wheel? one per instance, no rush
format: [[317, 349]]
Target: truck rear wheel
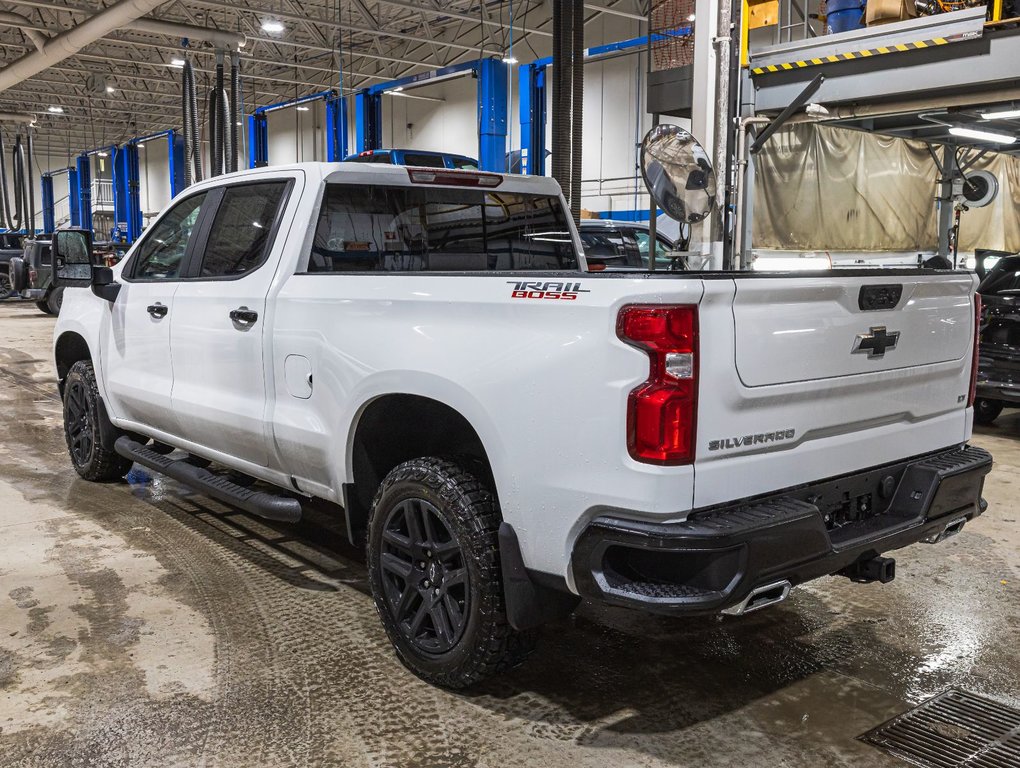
[[433, 563], [986, 411], [93, 459]]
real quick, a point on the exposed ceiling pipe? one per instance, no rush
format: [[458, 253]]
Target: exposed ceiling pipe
[[70, 42], [35, 35], [218, 37]]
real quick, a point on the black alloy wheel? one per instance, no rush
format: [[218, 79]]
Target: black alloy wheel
[[87, 430], [81, 430], [434, 568], [425, 577]]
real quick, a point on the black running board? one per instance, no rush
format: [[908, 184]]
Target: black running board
[[220, 488]]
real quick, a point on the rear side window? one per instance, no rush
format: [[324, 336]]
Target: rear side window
[[464, 163], [424, 160], [241, 232], [609, 247], [418, 229]]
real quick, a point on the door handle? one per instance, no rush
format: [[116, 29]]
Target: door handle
[[157, 309], [244, 316]]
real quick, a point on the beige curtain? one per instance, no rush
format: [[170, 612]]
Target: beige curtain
[[997, 225], [821, 188]]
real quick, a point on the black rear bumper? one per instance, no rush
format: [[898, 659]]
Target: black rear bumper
[[718, 556]]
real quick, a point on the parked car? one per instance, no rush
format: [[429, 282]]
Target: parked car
[[39, 278], [10, 247], [416, 157], [998, 383], [505, 431], [614, 245]]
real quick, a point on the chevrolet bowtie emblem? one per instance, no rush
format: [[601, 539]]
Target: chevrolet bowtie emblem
[[876, 342]]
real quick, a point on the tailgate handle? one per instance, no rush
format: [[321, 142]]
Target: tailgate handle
[[875, 297]]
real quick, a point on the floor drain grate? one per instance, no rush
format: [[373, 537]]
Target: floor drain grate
[[955, 729]]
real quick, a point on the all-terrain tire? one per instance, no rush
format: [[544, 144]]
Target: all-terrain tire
[[459, 519], [86, 436]]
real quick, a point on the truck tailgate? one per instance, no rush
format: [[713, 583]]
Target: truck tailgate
[[799, 330], [804, 378]]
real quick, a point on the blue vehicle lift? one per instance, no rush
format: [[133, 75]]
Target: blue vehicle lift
[[127, 207], [492, 76], [336, 127], [533, 111]]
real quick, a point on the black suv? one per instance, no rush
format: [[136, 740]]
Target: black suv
[[998, 382]]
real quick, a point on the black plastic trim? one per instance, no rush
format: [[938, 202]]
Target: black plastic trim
[[716, 557], [529, 602], [255, 502]]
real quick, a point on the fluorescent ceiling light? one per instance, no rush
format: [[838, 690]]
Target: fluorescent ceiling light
[[272, 26], [691, 17], [509, 59], [102, 154], [1002, 115], [176, 62], [973, 133], [55, 110], [110, 89], [302, 109]]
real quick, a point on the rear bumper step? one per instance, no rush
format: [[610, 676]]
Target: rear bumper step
[[220, 488], [744, 556]]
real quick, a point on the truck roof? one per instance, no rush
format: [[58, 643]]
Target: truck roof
[[391, 174]]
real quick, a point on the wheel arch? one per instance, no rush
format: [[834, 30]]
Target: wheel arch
[[69, 348], [395, 427]]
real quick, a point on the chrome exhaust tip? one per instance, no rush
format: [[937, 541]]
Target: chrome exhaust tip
[[761, 597], [951, 528]]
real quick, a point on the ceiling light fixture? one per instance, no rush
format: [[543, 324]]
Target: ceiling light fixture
[[55, 110], [302, 109], [176, 62], [398, 89], [110, 89], [1004, 114], [973, 133], [509, 59], [272, 26]]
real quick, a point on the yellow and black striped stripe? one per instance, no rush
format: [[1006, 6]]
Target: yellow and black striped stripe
[[897, 48]]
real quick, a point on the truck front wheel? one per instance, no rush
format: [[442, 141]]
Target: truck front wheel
[[86, 436], [433, 563]]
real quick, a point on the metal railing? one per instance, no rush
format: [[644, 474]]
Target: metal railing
[[102, 192]]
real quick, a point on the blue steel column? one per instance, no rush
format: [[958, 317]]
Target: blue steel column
[[73, 197], [84, 174], [533, 118], [367, 121], [48, 213], [133, 199], [492, 114], [336, 129], [120, 189], [175, 153], [258, 140]]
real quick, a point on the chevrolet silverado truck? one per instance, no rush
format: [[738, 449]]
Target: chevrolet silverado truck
[[504, 431]]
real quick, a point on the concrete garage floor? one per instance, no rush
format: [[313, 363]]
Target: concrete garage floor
[[141, 624]]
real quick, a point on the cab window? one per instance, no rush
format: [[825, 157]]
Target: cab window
[[242, 231], [162, 251]]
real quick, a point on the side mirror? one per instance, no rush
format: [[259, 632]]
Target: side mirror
[[71, 251]]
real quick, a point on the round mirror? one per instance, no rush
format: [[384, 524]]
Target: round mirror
[[678, 173]]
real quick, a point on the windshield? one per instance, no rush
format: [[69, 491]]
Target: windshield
[[1003, 278], [430, 229]]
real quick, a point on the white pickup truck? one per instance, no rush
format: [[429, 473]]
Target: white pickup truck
[[505, 430]]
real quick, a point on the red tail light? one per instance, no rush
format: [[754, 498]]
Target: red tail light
[[977, 343], [662, 412]]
